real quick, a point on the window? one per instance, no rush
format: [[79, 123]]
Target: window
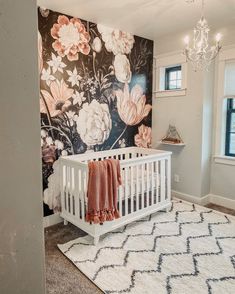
[[170, 75], [173, 78], [230, 128]]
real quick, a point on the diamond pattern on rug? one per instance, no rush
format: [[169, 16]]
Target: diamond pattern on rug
[[190, 249]]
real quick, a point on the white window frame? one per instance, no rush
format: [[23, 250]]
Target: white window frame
[[227, 54], [163, 61]]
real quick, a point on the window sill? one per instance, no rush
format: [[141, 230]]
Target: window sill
[[227, 160], [170, 93]]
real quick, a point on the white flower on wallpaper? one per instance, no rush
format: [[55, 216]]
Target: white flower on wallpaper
[[64, 153], [74, 77], [70, 116], [47, 76], [78, 98], [116, 41], [57, 99], [122, 143], [122, 68], [56, 63], [70, 37], [52, 193], [59, 145], [131, 105], [96, 45], [94, 123], [49, 141]]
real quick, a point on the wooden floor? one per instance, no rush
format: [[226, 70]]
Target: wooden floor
[[62, 277], [221, 208]]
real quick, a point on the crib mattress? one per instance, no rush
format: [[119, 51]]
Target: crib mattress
[[126, 190]]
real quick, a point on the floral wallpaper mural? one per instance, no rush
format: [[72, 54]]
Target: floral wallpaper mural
[[95, 92]]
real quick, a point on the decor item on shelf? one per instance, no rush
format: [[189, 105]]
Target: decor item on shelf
[[201, 54], [172, 136]]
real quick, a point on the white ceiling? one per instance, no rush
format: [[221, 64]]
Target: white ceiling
[[148, 18]]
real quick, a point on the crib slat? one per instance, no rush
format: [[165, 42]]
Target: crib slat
[[148, 184], [79, 192], [137, 187], [152, 182], [82, 195], [72, 192], [126, 191], [62, 187], [168, 174], [67, 189], [142, 186], [163, 177], [76, 193], [120, 194], [158, 181], [132, 189]]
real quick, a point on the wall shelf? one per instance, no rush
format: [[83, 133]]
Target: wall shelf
[[172, 144]]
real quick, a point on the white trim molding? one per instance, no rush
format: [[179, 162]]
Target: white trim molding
[[52, 220], [226, 54], [210, 198], [227, 160], [161, 62], [170, 93]]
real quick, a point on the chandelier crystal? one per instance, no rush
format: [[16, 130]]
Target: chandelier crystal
[[201, 54]]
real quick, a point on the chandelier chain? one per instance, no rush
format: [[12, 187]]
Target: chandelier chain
[[203, 8]]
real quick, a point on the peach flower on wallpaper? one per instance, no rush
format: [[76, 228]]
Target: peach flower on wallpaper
[[131, 105], [57, 100], [70, 37], [40, 60], [116, 41], [144, 137]]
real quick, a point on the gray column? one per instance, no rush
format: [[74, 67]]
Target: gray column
[[21, 216]]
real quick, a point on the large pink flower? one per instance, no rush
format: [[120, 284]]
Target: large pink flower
[[70, 37], [57, 100], [144, 137], [131, 105]]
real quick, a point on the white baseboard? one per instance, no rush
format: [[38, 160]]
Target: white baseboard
[[194, 199], [210, 198], [51, 220]]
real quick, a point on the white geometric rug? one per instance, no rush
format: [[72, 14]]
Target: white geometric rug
[[190, 249]]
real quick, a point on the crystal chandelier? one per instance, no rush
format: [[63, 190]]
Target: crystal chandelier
[[201, 54]]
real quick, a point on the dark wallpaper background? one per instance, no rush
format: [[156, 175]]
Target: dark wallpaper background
[[95, 92]]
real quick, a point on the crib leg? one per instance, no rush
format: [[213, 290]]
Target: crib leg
[[65, 222], [96, 240]]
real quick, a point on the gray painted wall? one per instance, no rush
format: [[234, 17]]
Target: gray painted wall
[[21, 221], [192, 119], [193, 115]]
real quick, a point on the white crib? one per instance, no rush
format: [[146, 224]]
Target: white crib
[[146, 186]]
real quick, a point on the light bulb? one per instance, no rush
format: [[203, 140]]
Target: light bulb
[[218, 37], [186, 40]]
